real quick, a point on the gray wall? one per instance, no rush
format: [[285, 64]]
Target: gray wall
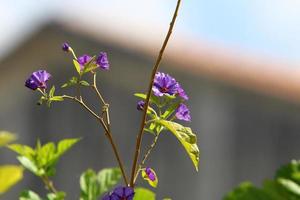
[[242, 135]]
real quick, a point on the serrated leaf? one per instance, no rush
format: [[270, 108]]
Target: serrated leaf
[[108, 178], [187, 138], [52, 91], [143, 194], [29, 195], [146, 177], [9, 176], [77, 66], [6, 138]]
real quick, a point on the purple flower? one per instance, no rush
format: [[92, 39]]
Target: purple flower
[[183, 113], [140, 105], [82, 60], [38, 79], [166, 84], [182, 93], [120, 193], [102, 61], [65, 47], [151, 175]]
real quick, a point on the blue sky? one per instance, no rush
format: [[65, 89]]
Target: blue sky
[[262, 27]]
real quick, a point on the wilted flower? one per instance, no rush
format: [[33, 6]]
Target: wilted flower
[[166, 84], [151, 175], [102, 61], [140, 105], [38, 79], [65, 47], [183, 113], [120, 193]]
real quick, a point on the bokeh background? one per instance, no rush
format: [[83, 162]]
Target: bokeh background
[[239, 61]]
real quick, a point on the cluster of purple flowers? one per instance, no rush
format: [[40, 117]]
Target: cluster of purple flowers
[[101, 61], [120, 193], [164, 84]]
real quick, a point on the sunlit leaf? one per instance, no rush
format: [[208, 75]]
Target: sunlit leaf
[[77, 66], [143, 194], [56, 196], [65, 145], [91, 65], [52, 91], [108, 178], [290, 186], [89, 185], [84, 83], [57, 98], [6, 137], [9, 176], [29, 195], [187, 138]]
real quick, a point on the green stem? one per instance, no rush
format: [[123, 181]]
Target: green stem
[[49, 184], [155, 68], [146, 156]]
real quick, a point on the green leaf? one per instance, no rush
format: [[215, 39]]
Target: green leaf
[[77, 66], [153, 99], [22, 150], [52, 91], [56, 196], [65, 145], [30, 165], [29, 195], [170, 110], [84, 83], [6, 137], [187, 138], [143, 194], [91, 65], [246, 191], [57, 98], [151, 183], [108, 178], [89, 185], [9, 176], [73, 81], [290, 186], [290, 171]]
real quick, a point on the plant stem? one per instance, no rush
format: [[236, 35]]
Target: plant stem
[[107, 133], [49, 184], [155, 68], [146, 156]]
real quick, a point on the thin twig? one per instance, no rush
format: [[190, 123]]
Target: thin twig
[[155, 68], [107, 133], [146, 156]]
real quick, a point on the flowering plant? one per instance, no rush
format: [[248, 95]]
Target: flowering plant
[[163, 107]]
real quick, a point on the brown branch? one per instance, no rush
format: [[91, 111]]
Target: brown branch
[[155, 68]]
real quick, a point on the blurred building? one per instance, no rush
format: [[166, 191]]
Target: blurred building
[[245, 111]]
